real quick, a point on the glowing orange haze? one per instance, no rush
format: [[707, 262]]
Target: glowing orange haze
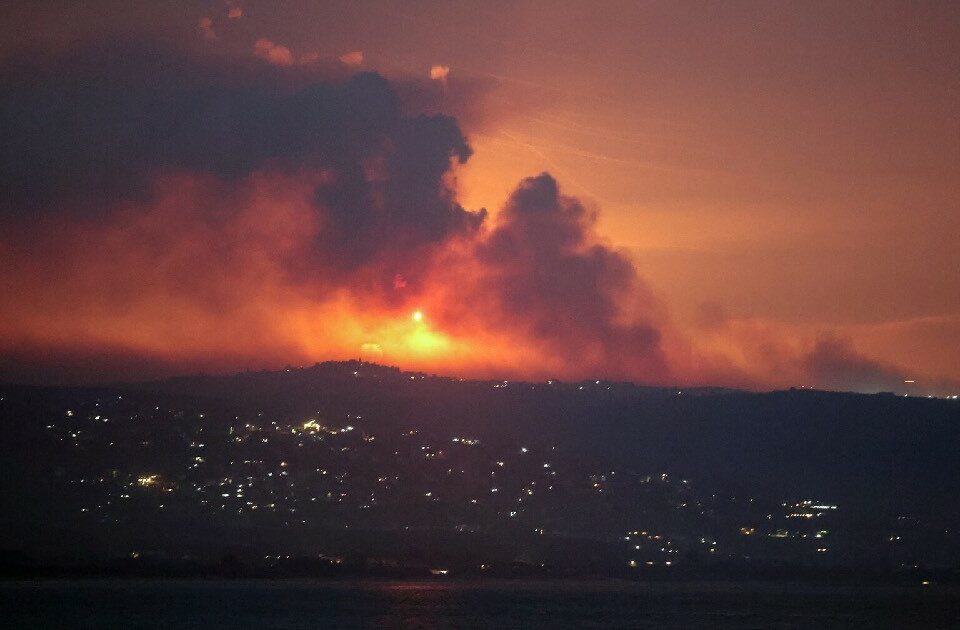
[[184, 290], [169, 283], [783, 177]]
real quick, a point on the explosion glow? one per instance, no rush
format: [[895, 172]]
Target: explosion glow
[[175, 231]]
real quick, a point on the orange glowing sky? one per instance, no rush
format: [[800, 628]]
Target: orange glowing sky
[[783, 176]]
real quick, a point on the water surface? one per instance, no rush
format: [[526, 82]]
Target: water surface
[[217, 604]]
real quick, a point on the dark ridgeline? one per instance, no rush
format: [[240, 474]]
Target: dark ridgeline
[[346, 468]]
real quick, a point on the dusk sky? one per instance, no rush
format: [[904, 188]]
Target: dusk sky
[[748, 194]]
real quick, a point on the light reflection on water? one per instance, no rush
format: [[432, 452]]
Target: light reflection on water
[[215, 604]]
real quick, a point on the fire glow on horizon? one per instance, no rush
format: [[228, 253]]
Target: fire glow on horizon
[[144, 241]]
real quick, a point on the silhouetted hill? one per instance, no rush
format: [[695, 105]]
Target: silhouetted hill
[[888, 449], [358, 454]]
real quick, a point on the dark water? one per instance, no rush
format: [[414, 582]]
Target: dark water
[[305, 604]]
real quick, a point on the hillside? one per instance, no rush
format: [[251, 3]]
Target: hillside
[[352, 461]]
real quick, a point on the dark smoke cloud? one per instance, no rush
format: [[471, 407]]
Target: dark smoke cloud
[[392, 209], [551, 276], [835, 364], [90, 129], [210, 212], [101, 119]]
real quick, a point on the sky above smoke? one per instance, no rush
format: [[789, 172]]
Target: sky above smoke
[[218, 187]]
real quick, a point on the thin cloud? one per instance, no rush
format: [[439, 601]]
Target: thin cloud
[[353, 58], [273, 53], [205, 28]]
